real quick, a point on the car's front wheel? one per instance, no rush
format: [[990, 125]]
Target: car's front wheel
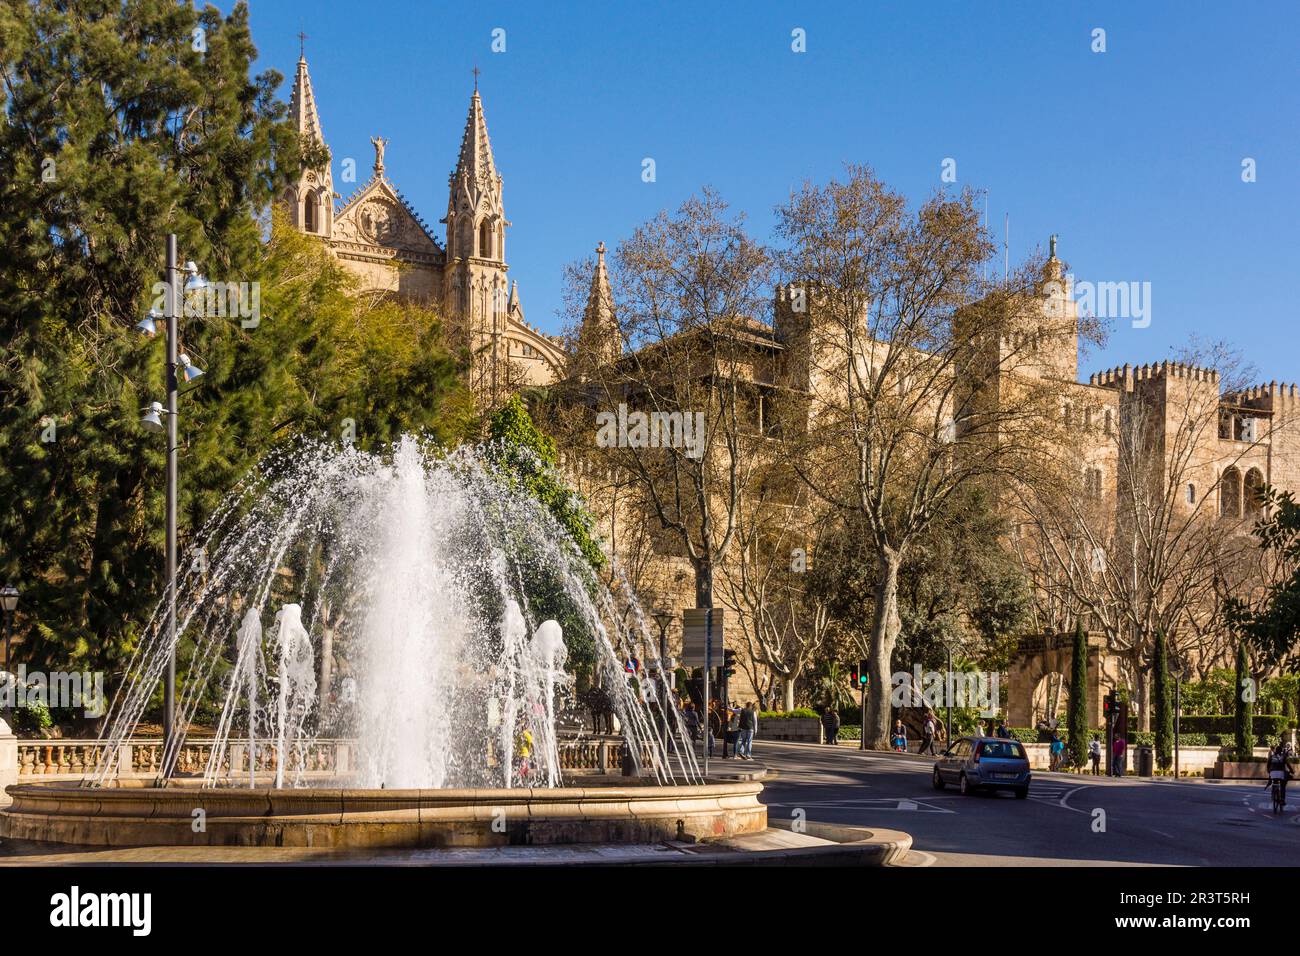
[[938, 780], [964, 786], [1022, 792]]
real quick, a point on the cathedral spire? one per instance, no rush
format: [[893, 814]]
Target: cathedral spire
[[476, 169], [599, 341], [302, 105], [311, 200]]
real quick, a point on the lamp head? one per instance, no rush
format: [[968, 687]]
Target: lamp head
[[152, 420]]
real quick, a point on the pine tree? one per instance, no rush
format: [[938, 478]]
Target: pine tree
[[122, 121], [1077, 717], [1162, 703]]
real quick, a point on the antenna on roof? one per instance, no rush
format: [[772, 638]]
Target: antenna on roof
[[1006, 249]]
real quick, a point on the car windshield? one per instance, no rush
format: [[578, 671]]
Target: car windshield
[[1007, 749]]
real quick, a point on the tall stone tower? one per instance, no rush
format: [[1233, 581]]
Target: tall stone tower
[[311, 200], [477, 293]]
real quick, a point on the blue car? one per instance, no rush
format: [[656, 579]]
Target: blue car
[[984, 763]]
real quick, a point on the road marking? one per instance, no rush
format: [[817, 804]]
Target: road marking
[[869, 803]]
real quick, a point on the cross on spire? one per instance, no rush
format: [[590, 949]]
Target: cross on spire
[[475, 71], [302, 45]]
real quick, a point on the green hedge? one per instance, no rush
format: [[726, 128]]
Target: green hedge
[[849, 732], [1264, 725], [787, 714]]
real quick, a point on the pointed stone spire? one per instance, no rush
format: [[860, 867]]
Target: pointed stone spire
[[599, 340], [302, 105], [476, 169], [311, 200]]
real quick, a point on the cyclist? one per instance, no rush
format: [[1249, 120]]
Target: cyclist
[[1279, 768]]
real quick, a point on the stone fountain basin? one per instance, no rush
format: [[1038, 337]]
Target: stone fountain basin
[[619, 811]]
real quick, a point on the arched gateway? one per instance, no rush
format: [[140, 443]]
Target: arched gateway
[[1039, 677]]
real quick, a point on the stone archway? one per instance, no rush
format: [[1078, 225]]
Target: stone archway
[[1037, 659]]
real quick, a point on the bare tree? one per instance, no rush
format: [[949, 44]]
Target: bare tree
[[921, 376], [1166, 544]]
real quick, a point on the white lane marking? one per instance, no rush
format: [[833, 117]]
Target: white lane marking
[[869, 803]]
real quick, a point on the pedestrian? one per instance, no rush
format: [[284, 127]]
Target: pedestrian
[[745, 725], [692, 718], [927, 735], [1002, 730], [900, 737], [1117, 757], [1094, 754], [831, 725], [732, 734], [1057, 750], [716, 725]]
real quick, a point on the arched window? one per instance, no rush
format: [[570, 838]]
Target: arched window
[[1191, 493], [485, 239], [1109, 424], [1254, 496], [1230, 493], [309, 217]]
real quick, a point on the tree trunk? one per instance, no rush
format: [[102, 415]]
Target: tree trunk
[[788, 687], [885, 629], [1142, 693]]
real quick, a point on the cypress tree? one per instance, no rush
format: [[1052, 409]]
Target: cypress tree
[[1162, 704], [1077, 718], [1244, 706]]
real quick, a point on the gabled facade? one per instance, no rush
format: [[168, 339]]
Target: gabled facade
[[379, 237]]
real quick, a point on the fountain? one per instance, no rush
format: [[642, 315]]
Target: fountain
[[422, 607]]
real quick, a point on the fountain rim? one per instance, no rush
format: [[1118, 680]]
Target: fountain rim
[[67, 813]]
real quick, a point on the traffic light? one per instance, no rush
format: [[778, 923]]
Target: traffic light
[[1108, 704], [728, 663], [864, 673], [853, 675]]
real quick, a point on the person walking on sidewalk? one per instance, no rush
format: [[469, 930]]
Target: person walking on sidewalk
[[716, 726], [745, 726], [831, 725], [1057, 750], [927, 735], [1094, 754], [1117, 757]]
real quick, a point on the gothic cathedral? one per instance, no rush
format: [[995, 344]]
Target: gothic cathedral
[[377, 236]]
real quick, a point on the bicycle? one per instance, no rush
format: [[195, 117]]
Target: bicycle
[[1279, 801]]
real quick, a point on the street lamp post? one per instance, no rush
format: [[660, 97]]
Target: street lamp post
[[169, 681], [9, 601], [152, 422], [947, 694], [663, 618], [1178, 710]]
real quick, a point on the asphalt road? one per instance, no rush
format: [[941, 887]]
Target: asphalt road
[[1067, 820]]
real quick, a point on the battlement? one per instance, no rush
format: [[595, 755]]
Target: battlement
[[1271, 396], [1126, 377]]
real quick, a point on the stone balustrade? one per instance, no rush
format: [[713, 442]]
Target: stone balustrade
[[141, 758]]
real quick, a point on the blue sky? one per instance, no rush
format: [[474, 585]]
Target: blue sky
[[1134, 156]]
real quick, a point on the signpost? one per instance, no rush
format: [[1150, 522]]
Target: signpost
[[702, 635]]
